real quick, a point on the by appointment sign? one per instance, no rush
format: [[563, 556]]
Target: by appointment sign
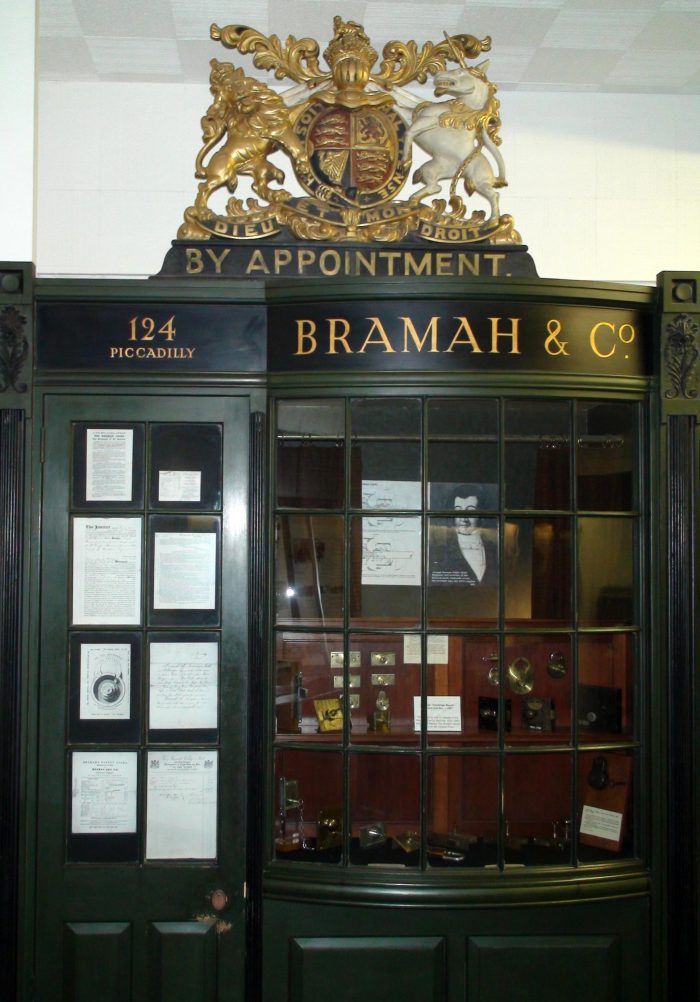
[[362, 335]]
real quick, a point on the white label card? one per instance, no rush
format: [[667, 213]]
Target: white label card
[[107, 571], [438, 649], [109, 459], [181, 805], [183, 685], [184, 570], [103, 792], [444, 713], [105, 681], [601, 823], [179, 485]]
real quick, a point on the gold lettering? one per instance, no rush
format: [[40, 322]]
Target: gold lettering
[[630, 337], [552, 344], [304, 258], [334, 336], [471, 340], [114, 352], [470, 262], [335, 256], [495, 260], [257, 263], [282, 258], [389, 257], [195, 264], [383, 339], [220, 226], [409, 328], [512, 334], [412, 267], [218, 261], [594, 339], [370, 265], [443, 262], [306, 330], [190, 352]]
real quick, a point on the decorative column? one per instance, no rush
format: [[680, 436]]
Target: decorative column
[[680, 407], [16, 290]]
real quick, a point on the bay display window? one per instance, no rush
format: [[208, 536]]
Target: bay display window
[[457, 641]]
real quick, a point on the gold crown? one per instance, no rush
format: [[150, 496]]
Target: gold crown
[[350, 56]]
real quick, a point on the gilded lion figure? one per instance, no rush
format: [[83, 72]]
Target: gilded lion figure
[[255, 122]]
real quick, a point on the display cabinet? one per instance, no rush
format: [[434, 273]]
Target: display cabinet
[[458, 657]]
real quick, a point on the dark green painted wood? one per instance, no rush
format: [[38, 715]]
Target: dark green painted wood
[[182, 962], [388, 969], [154, 892], [98, 962], [544, 968]]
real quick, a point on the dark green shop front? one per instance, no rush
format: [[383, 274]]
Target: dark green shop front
[[354, 632]]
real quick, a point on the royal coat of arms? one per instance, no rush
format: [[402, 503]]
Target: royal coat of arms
[[349, 133]]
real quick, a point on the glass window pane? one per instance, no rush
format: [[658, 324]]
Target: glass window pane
[[462, 810], [537, 454], [385, 563], [385, 418], [308, 805], [537, 685], [538, 570], [383, 679], [606, 456], [462, 570], [386, 476], [310, 454], [453, 418], [384, 809], [463, 690], [537, 798], [606, 688], [309, 569], [605, 571], [305, 677], [462, 446], [605, 809]]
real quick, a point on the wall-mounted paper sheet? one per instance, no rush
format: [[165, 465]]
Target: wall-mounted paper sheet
[[601, 823], [182, 805], [105, 681], [183, 685], [444, 713], [438, 649], [107, 571], [109, 460], [391, 546], [179, 485], [103, 792], [184, 570]]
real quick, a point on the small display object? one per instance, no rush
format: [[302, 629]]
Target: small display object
[[329, 828], [488, 714], [289, 694], [538, 714], [606, 802], [329, 713], [380, 719], [599, 709], [372, 835]]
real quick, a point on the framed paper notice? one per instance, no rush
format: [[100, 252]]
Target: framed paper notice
[[105, 681], [184, 570], [103, 792], [181, 805], [107, 571], [179, 485], [183, 686], [109, 456]]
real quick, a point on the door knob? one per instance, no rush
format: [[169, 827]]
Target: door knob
[[219, 900]]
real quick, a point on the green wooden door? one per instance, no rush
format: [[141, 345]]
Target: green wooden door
[[142, 698]]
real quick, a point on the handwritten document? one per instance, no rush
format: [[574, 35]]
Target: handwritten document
[[183, 685], [181, 805]]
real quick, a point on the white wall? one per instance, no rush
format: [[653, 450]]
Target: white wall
[[602, 186]]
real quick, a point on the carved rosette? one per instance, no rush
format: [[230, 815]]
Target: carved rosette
[[681, 355], [14, 349]]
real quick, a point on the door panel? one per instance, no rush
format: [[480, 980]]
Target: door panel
[[112, 924]]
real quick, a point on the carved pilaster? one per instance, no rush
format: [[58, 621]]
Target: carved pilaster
[[15, 377]]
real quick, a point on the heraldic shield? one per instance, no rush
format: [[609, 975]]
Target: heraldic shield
[[357, 156]]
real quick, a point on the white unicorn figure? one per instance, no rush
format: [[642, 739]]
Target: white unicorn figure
[[455, 134]]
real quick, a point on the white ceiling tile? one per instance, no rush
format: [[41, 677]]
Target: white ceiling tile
[[193, 20], [570, 66], [151, 56], [57, 18], [610, 29], [652, 69], [130, 18], [507, 65], [66, 59], [675, 30], [508, 26]]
